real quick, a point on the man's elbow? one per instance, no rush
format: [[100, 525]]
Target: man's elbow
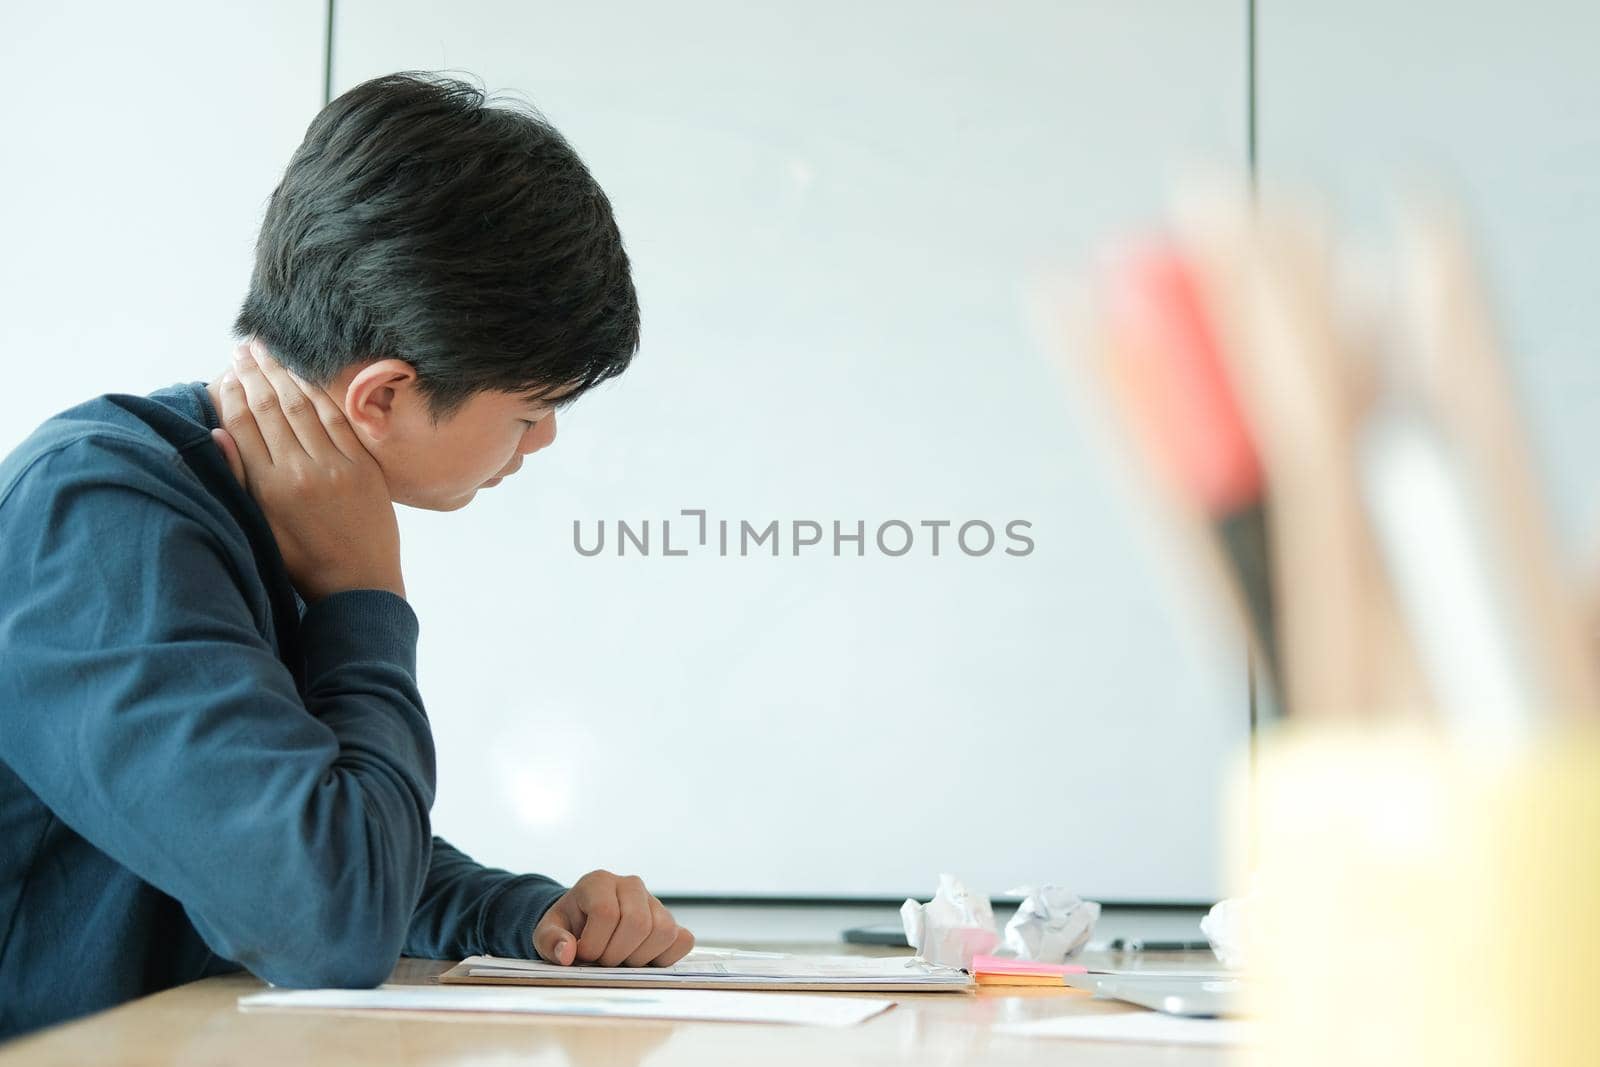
[[343, 926], [347, 974], [333, 950], [343, 966]]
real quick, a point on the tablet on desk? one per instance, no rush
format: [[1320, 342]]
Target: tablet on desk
[[1203, 996], [891, 934]]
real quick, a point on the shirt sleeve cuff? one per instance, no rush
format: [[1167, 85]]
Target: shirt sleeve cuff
[[510, 917], [356, 625]]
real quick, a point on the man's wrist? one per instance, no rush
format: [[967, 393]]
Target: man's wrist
[[394, 585], [359, 624]]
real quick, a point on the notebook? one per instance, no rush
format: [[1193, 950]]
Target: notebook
[[714, 969]]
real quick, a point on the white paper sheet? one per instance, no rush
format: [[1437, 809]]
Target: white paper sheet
[[694, 1004], [1142, 1027]]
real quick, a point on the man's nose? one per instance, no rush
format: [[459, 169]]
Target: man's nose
[[542, 435]]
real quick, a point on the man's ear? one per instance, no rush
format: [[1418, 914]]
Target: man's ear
[[378, 395]]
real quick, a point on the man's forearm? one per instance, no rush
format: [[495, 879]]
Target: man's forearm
[[467, 909]]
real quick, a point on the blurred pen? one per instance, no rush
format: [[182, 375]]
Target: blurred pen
[[1167, 370]]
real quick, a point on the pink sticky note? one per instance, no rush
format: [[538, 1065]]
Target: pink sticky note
[[1000, 965]]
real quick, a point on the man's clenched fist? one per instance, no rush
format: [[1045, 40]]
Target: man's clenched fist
[[612, 922]]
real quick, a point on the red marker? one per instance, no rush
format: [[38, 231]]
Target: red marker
[[1177, 393]]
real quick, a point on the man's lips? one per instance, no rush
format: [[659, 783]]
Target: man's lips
[[498, 478]]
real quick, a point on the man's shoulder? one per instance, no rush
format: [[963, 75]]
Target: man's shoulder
[[112, 439], [122, 494]]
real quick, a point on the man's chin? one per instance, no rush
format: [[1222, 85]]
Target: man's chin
[[431, 503]]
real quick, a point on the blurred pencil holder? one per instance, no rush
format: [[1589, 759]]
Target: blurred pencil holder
[[1424, 901]]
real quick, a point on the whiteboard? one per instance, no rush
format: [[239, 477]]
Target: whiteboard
[[840, 217]]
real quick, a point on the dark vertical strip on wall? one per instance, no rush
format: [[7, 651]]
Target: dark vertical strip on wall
[[327, 57], [1250, 87]]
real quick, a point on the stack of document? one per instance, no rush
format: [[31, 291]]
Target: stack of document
[[727, 969]]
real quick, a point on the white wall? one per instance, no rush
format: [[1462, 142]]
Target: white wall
[[141, 144], [1498, 106], [838, 215]]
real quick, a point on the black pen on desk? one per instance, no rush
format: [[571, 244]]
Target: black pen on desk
[[1139, 944]]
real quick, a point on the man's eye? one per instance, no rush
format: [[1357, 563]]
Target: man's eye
[[530, 423]]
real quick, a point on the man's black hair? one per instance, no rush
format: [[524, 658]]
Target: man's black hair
[[419, 221]]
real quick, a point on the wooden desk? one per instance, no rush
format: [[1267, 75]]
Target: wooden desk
[[201, 1024]]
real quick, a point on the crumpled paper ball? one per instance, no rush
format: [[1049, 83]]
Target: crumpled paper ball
[[953, 927], [1227, 926], [1051, 924]]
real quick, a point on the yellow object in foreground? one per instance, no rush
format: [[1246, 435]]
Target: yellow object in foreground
[[1428, 903]]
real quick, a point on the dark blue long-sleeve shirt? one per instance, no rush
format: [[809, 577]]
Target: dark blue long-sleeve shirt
[[197, 771]]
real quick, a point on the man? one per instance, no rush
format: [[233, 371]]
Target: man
[[213, 752]]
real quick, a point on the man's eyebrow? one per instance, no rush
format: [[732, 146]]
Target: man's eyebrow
[[553, 403]]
